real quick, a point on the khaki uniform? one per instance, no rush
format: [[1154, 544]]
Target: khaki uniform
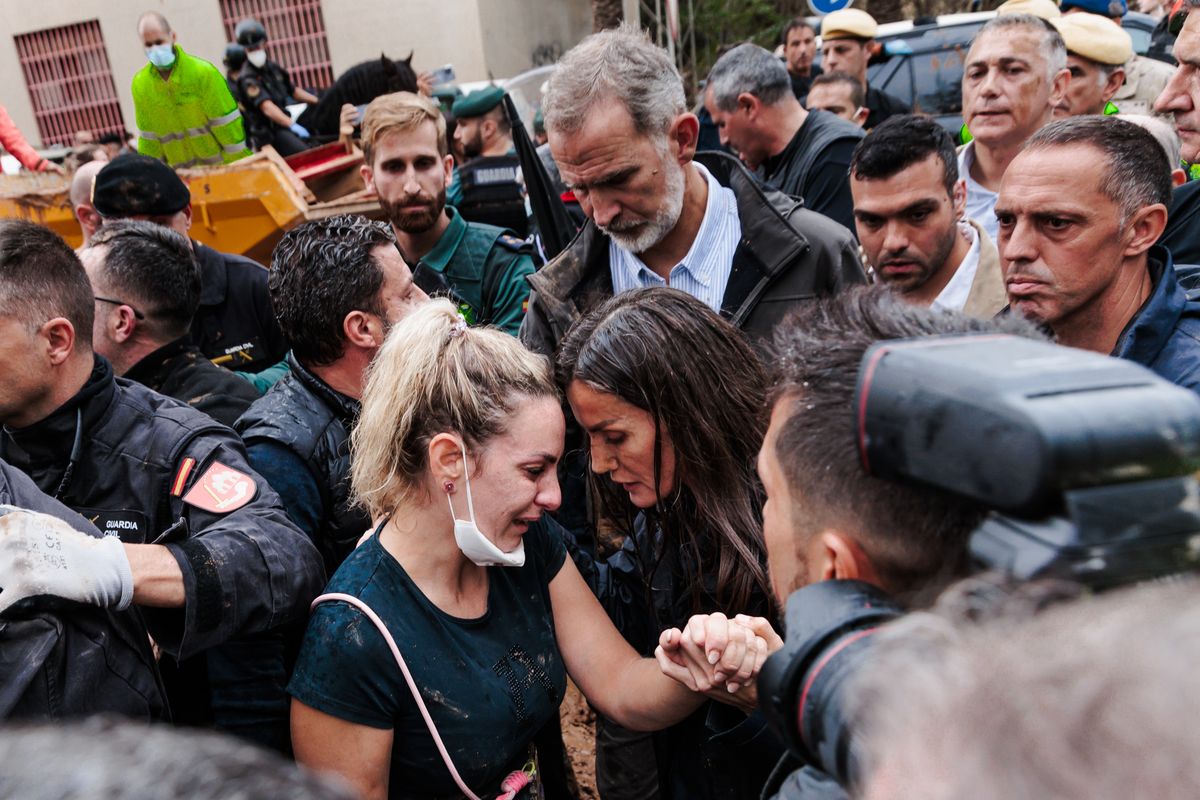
[[987, 296], [1145, 78]]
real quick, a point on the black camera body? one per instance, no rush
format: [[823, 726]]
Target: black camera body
[[1085, 461]]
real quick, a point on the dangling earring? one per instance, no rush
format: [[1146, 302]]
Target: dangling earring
[[448, 486]]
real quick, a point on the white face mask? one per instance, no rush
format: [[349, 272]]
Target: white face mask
[[475, 546], [257, 57], [161, 55]]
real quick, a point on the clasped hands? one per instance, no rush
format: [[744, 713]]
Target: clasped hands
[[719, 657]]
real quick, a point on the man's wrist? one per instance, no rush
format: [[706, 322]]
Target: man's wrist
[[157, 578]]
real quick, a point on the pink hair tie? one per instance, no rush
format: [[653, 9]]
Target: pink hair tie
[[515, 782], [459, 327]]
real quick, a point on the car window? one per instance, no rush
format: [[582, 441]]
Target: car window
[[932, 78], [899, 84], [937, 77], [1141, 39]]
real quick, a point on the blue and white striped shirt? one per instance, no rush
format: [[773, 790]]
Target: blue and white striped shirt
[[704, 271]]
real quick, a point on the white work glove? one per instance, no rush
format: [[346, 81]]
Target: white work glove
[[41, 555]]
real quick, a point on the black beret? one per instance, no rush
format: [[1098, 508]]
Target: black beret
[[134, 184]]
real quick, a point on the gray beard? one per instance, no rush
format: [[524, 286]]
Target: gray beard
[[640, 237]]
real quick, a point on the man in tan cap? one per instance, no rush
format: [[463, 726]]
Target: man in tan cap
[[847, 42], [1145, 78], [1097, 49]]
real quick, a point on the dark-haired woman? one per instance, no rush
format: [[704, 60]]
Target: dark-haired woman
[[671, 398]]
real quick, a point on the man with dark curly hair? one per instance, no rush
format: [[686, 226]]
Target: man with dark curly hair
[[337, 285]]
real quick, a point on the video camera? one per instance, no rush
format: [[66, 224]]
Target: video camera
[[1086, 461]]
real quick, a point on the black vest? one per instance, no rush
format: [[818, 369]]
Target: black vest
[[492, 193], [302, 413]]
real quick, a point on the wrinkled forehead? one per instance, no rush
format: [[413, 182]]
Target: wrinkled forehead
[[606, 126], [1036, 182], [844, 45]]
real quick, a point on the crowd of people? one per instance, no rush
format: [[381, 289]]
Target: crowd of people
[[244, 499]]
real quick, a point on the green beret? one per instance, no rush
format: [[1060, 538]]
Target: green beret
[[477, 103]]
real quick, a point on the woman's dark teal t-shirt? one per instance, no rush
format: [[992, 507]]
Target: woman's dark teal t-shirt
[[489, 683]]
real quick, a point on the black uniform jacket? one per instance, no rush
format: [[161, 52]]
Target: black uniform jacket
[[152, 470], [235, 325], [180, 370]]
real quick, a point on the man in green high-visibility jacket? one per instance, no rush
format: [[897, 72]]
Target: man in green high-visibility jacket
[[185, 113]]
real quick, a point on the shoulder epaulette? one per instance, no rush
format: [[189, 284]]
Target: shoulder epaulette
[[510, 242]]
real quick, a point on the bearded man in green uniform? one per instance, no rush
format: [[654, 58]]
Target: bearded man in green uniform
[[481, 267]]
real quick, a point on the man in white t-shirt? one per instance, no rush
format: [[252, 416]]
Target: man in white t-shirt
[[1015, 74], [909, 207]]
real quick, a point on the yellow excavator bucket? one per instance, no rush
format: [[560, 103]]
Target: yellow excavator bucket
[[244, 207]]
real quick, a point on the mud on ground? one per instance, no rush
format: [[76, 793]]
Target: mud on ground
[[579, 736]]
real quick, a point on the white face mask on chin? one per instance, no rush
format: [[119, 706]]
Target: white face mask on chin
[[475, 546], [257, 57]]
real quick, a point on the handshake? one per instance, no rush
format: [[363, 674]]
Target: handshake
[[719, 657]]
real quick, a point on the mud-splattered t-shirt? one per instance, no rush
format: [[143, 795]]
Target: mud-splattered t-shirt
[[489, 683]]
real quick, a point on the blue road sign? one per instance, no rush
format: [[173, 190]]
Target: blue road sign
[[823, 7]]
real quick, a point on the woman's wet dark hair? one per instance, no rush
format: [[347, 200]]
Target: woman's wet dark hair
[[669, 354]]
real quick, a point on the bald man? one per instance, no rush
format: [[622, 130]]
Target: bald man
[[81, 199]]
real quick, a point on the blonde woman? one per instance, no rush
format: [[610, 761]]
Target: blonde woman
[[460, 432]]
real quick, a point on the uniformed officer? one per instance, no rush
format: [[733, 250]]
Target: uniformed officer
[[482, 267], [1097, 50], [234, 325], [234, 60], [196, 537], [147, 286], [267, 90], [1145, 77], [490, 179], [847, 43]]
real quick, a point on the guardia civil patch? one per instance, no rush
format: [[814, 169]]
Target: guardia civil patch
[[221, 489]]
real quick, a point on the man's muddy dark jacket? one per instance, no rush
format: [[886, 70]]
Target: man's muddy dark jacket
[[787, 254], [312, 421], [178, 369], [74, 661], [246, 571]]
